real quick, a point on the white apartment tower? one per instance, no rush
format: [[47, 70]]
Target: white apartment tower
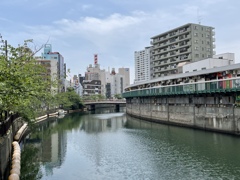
[[142, 65]]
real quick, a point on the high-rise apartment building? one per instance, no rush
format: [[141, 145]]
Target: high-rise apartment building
[[56, 56], [51, 71], [142, 65], [187, 43], [125, 72]]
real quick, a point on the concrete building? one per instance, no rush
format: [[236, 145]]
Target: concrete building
[[81, 78], [217, 61], [56, 56], [116, 84], [187, 43], [93, 72], [91, 87], [142, 65], [125, 72], [76, 85], [51, 71], [111, 82]]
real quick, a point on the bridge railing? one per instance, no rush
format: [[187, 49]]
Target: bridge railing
[[214, 86], [105, 100]]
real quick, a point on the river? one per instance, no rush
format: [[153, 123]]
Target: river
[[108, 145]]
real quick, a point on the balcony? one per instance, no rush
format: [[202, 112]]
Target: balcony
[[183, 30], [182, 50], [172, 53]]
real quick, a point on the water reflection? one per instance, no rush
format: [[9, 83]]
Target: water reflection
[[50, 141], [100, 145], [103, 122], [206, 154], [30, 169]]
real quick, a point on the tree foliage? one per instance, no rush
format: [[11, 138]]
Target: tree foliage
[[69, 100], [118, 96], [24, 85], [94, 97]]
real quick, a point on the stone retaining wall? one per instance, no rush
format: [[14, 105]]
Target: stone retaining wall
[[214, 118]]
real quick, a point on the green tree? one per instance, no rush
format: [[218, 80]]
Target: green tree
[[69, 100], [94, 97], [118, 96], [24, 83]]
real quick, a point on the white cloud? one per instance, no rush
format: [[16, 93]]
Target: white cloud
[[116, 36], [97, 25]]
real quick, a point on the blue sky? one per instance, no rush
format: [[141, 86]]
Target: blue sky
[[113, 29]]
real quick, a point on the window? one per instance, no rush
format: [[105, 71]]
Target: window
[[195, 34], [196, 55], [204, 68]]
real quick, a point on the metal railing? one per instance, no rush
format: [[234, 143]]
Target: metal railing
[[214, 86]]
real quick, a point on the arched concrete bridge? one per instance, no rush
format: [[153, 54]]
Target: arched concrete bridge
[[91, 105]]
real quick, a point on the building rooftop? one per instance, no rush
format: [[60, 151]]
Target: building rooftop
[[177, 29]]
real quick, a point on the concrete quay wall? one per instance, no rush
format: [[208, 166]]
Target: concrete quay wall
[[210, 116], [6, 147]]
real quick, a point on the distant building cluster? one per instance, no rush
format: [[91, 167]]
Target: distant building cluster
[[95, 82], [185, 49], [101, 82]]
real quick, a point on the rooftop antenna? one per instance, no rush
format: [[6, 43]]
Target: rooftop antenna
[[198, 17]]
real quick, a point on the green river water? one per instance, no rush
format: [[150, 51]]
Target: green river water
[[108, 145]]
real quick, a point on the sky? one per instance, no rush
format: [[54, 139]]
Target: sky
[[113, 29]]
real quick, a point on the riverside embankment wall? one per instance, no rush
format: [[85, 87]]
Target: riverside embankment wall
[[6, 146], [217, 113]]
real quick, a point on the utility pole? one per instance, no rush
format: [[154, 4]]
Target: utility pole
[[6, 51]]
